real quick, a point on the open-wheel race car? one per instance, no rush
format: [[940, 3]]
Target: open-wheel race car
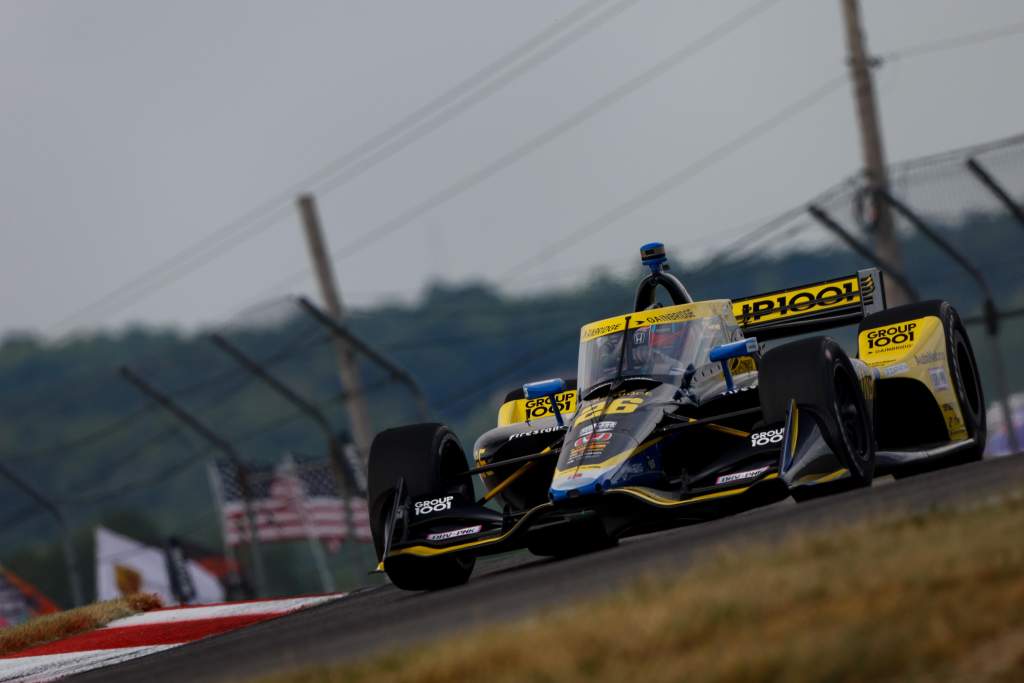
[[679, 413]]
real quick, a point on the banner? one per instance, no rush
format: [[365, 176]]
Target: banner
[[125, 566]]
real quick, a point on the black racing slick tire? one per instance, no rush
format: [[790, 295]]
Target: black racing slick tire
[[429, 459], [963, 370], [818, 374]]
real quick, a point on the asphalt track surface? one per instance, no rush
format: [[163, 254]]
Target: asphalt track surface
[[516, 584]]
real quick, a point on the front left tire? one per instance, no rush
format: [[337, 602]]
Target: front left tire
[[431, 463]]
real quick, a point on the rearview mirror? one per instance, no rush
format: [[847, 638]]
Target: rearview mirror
[[550, 388], [725, 352], [544, 387]]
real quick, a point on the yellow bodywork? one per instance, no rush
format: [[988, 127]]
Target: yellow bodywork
[[916, 349]]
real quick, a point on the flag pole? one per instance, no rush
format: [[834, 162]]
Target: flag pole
[[315, 548], [217, 489]]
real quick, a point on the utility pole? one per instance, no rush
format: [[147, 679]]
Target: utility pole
[[351, 385], [886, 245], [225, 447]]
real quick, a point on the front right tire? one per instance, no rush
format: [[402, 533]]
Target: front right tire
[[818, 374]]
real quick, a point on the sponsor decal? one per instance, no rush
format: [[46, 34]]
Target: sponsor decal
[[911, 339], [893, 370], [454, 533], [426, 507], [954, 424], [523, 409], [599, 427], [535, 432], [893, 338], [592, 440], [740, 476], [758, 439], [670, 314], [939, 379], [675, 316], [588, 438], [601, 330], [931, 357], [797, 302], [541, 407]]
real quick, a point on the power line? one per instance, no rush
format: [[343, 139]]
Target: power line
[[553, 249], [486, 90], [138, 484], [470, 181], [296, 343], [954, 43], [87, 439], [479, 386], [446, 106], [284, 419]]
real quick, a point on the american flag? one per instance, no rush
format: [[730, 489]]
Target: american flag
[[291, 501]]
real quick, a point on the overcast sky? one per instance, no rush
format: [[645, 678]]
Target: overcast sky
[[133, 129]]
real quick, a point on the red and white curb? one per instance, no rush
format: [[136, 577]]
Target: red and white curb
[[143, 634]]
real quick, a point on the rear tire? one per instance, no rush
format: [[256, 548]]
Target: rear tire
[[964, 377], [818, 374], [431, 462]]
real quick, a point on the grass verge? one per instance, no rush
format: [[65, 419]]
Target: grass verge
[[936, 597], [65, 624]]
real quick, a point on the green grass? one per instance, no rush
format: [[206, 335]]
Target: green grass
[[937, 597]]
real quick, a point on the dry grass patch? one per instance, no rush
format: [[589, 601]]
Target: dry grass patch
[[923, 598], [52, 627]]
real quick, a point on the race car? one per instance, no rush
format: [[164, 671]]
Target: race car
[[679, 413]]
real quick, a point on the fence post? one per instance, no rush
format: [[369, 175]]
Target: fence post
[[70, 560], [864, 250], [225, 447], [988, 181]]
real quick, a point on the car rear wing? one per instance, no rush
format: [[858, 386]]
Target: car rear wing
[[809, 308]]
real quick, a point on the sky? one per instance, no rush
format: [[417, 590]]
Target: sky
[[138, 131]]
